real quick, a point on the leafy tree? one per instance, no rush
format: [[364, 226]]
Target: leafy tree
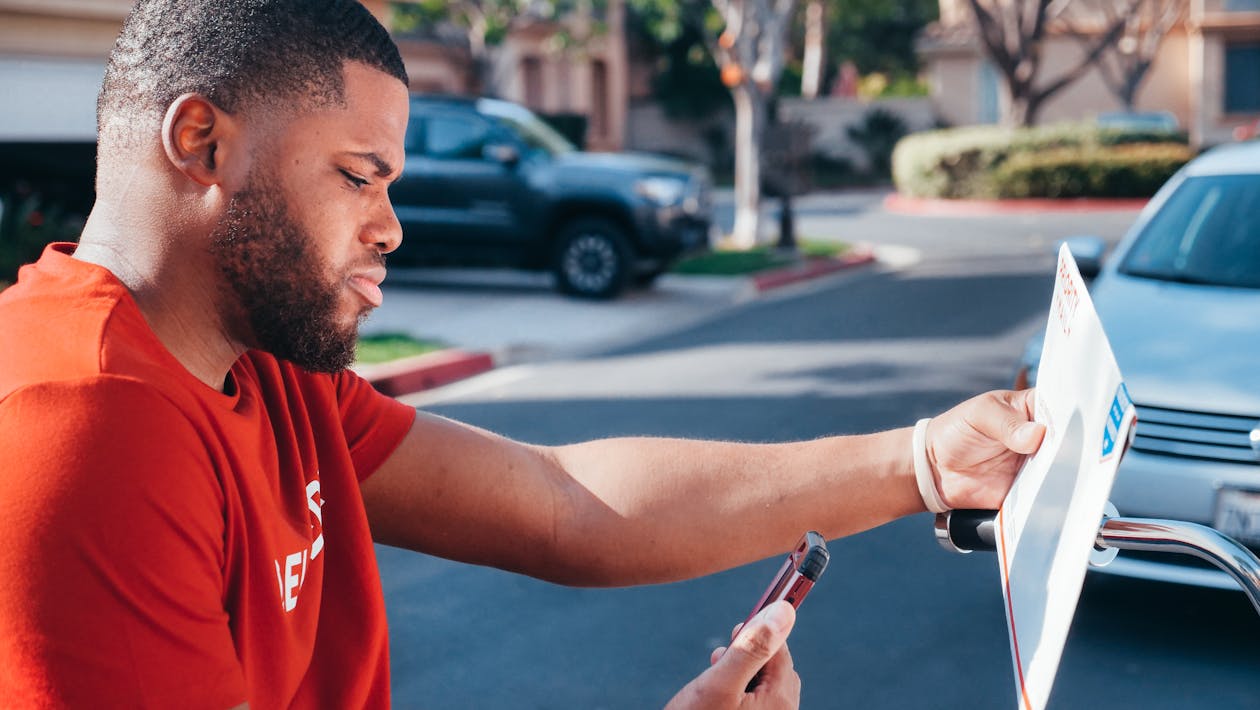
[[686, 82], [876, 35], [486, 23]]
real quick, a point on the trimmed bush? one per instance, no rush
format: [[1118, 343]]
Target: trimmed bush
[[1127, 170], [963, 162]]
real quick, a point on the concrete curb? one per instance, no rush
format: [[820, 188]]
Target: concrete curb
[[442, 367], [812, 269], [422, 372], [939, 207]]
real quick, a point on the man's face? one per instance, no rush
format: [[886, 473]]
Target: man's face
[[302, 244]]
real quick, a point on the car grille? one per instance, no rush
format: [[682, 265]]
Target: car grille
[[1214, 437]]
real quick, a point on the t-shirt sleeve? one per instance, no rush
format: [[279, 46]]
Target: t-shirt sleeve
[[113, 554], [374, 424]]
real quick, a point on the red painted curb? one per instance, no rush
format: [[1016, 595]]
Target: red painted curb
[[940, 207], [811, 269], [426, 371]]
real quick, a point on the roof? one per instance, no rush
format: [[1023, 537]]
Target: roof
[[1228, 159]]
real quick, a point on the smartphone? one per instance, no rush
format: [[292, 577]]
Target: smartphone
[[800, 571]]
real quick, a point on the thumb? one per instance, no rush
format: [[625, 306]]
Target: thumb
[[1026, 434], [756, 644], [1011, 422]]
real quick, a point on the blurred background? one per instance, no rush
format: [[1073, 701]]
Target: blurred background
[[652, 157], [819, 90]]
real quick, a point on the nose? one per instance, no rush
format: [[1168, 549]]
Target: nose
[[384, 232]]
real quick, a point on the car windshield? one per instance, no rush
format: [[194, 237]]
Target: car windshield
[[532, 129], [1207, 233]]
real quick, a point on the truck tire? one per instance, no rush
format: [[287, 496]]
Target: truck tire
[[592, 258]]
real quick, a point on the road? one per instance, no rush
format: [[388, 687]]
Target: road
[[896, 622]]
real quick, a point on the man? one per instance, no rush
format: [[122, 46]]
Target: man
[[193, 481]]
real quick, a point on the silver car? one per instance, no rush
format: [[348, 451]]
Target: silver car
[[1180, 302]]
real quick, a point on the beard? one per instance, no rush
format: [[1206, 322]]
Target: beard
[[281, 287]]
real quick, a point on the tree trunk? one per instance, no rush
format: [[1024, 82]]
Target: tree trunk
[[812, 62], [1017, 113], [750, 120], [1023, 110]]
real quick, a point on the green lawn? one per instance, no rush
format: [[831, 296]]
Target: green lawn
[[738, 262], [384, 347]]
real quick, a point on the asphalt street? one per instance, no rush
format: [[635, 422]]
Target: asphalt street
[[896, 622]]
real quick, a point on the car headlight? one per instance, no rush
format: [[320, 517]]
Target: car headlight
[[661, 190]]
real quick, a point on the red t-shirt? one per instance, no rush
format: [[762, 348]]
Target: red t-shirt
[[163, 544]]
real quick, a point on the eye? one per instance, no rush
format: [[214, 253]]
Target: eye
[[353, 179]]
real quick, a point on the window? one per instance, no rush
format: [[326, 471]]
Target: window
[[599, 98], [1242, 77], [1207, 233], [988, 79], [455, 138], [531, 77]]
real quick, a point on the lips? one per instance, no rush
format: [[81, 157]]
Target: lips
[[367, 283]]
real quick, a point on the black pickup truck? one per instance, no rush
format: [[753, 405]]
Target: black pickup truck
[[488, 183]]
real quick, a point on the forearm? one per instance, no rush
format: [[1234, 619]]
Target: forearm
[[631, 511], [653, 510]]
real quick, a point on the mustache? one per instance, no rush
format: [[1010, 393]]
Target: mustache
[[373, 260]]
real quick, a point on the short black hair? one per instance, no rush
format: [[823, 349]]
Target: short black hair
[[236, 53]]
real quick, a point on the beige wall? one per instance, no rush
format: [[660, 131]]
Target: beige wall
[[953, 83], [435, 68], [60, 28], [1166, 87], [1186, 78]]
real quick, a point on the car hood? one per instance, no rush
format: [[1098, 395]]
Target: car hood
[[1184, 346], [637, 163]]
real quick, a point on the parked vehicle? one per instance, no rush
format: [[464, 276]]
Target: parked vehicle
[[1180, 302], [1157, 121], [488, 183]]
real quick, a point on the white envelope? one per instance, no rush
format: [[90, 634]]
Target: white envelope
[[1050, 519]]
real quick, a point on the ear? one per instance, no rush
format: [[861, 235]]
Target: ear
[[194, 131]]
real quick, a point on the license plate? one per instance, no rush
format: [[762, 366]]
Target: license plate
[[1238, 515]]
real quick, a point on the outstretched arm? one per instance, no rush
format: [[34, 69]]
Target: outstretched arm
[[637, 510]]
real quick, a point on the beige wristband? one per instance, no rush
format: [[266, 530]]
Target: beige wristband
[[923, 470]]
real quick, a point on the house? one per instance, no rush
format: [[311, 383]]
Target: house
[[590, 79], [1206, 72], [53, 53]]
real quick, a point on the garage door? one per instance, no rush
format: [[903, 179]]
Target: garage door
[[48, 99]]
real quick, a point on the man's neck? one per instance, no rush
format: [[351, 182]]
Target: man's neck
[[176, 295]]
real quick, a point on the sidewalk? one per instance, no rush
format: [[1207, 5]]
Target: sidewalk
[[940, 207], [497, 318]]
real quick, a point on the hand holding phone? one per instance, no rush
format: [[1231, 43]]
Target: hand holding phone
[[798, 574]]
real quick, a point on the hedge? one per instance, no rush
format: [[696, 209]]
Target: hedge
[[963, 162], [1133, 170]]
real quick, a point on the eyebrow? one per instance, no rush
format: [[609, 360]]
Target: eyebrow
[[383, 168]]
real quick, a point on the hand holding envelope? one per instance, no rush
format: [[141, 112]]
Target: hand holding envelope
[[1049, 521]]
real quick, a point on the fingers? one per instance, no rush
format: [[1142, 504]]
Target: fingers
[[754, 648], [1028, 434], [1010, 422], [779, 666]]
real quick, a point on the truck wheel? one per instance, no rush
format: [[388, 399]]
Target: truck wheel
[[592, 258]]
